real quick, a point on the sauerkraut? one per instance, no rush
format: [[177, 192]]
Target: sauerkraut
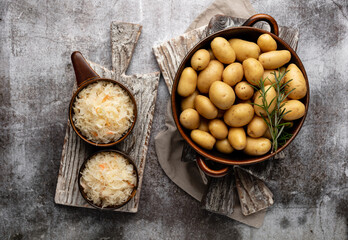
[[103, 112], [108, 179]]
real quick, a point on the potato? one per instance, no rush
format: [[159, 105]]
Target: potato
[[269, 77], [239, 115], [244, 91], [188, 82], [274, 59], [189, 102], [257, 146], [211, 54], [210, 74], [297, 109], [222, 50], [189, 118], [233, 74], [205, 107], [244, 49], [253, 71], [298, 82], [270, 95], [222, 95], [267, 134], [237, 138], [203, 139], [257, 127], [200, 59], [218, 129], [204, 125], [224, 146], [266, 43]]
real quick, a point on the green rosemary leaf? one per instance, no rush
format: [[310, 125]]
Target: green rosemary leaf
[[274, 118]]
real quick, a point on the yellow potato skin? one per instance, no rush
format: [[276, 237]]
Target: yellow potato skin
[[244, 91], [274, 59], [212, 73], [270, 95], [244, 49], [239, 115], [297, 109], [189, 118], [266, 43], [205, 107], [200, 59], [298, 82], [222, 50], [267, 134], [269, 77], [257, 146], [188, 82], [189, 102], [224, 146], [233, 74], [218, 129], [222, 95], [253, 71], [257, 127], [204, 125], [203, 139], [237, 138]]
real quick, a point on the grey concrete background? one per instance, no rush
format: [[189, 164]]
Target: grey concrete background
[[36, 77]]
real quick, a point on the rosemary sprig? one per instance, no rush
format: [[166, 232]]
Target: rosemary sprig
[[274, 118]]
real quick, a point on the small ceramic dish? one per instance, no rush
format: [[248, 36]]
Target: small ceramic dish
[[85, 76], [84, 195]]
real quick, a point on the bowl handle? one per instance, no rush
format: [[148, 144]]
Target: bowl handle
[[83, 71], [210, 172], [263, 17]]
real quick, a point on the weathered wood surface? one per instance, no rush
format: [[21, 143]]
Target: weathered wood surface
[[220, 195], [169, 56], [253, 194], [124, 37]]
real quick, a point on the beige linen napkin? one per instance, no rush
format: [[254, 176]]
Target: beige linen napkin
[[169, 143]]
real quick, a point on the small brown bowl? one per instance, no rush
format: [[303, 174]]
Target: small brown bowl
[[84, 195], [85, 75], [248, 33]]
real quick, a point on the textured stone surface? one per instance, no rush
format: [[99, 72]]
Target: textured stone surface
[[37, 37]]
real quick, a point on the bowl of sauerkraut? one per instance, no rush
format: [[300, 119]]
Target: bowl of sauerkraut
[[102, 112], [108, 179]]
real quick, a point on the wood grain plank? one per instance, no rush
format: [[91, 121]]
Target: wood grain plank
[[124, 37], [253, 194]]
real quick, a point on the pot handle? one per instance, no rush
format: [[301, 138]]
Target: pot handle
[[83, 70], [263, 17], [210, 172]]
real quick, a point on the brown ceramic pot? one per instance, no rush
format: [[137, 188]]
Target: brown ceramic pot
[[85, 75], [249, 33], [84, 195]]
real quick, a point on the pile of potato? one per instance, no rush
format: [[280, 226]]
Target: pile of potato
[[216, 94]]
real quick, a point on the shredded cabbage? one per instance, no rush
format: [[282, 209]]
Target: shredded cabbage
[[103, 112], [108, 179]]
